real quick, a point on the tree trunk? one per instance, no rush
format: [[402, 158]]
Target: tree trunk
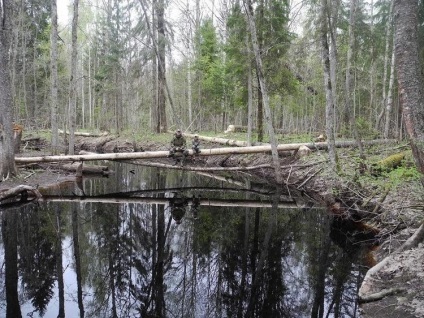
[[249, 95], [53, 75], [7, 153], [160, 13], [386, 62], [329, 109], [73, 82], [264, 90], [349, 115], [389, 102], [204, 152], [410, 78]]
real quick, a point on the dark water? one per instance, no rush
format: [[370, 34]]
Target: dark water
[[157, 243]]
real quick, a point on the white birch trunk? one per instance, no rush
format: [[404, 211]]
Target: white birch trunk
[[389, 103]]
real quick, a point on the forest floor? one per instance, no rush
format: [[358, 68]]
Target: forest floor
[[390, 202]]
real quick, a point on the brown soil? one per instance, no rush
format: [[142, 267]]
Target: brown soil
[[396, 215]]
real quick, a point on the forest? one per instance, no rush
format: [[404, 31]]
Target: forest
[[136, 66], [350, 71]]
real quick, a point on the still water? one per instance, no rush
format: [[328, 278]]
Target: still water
[[158, 243]]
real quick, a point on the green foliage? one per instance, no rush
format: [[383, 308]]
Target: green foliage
[[365, 128], [210, 67]]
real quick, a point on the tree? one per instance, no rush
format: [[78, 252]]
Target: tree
[[53, 75], [329, 109], [162, 125], [7, 154], [410, 78], [264, 90], [73, 81]]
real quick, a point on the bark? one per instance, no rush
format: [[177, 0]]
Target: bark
[[155, 45], [160, 13], [225, 141], [249, 97], [73, 81], [386, 62], [349, 111], [53, 75], [204, 152], [84, 134], [348, 82], [410, 78], [7, 164], [86, 169], [154, 118], [389, 103], [264, 91]]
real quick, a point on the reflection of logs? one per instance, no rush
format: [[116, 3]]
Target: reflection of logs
[[19, 190], [153, 200]]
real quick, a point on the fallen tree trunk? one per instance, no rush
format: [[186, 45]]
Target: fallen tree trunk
[[366, 292], [85, 169], [218, 140], [204, 152], [85, 134]]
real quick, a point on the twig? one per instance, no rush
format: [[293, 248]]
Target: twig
[[309, 178]]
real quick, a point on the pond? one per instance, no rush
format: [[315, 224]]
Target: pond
[[147, 242]]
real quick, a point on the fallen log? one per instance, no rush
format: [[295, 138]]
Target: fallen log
[[388, 164], [85, 169], [218, 140], [204, 152], [366, 291], [85, 134]]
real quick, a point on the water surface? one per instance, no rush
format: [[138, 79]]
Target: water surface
[[157, 243]]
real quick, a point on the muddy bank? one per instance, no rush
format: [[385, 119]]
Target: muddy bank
[[395, 211]]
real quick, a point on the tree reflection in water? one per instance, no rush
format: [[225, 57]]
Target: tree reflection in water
[[133, 259]]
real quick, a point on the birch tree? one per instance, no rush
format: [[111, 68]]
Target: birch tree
[[7, 155]]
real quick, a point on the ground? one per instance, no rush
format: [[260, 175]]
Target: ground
[[391, 202]]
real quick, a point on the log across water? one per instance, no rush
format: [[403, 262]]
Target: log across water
[[204, 152]]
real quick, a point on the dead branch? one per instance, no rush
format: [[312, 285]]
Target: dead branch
[[380, 295]]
